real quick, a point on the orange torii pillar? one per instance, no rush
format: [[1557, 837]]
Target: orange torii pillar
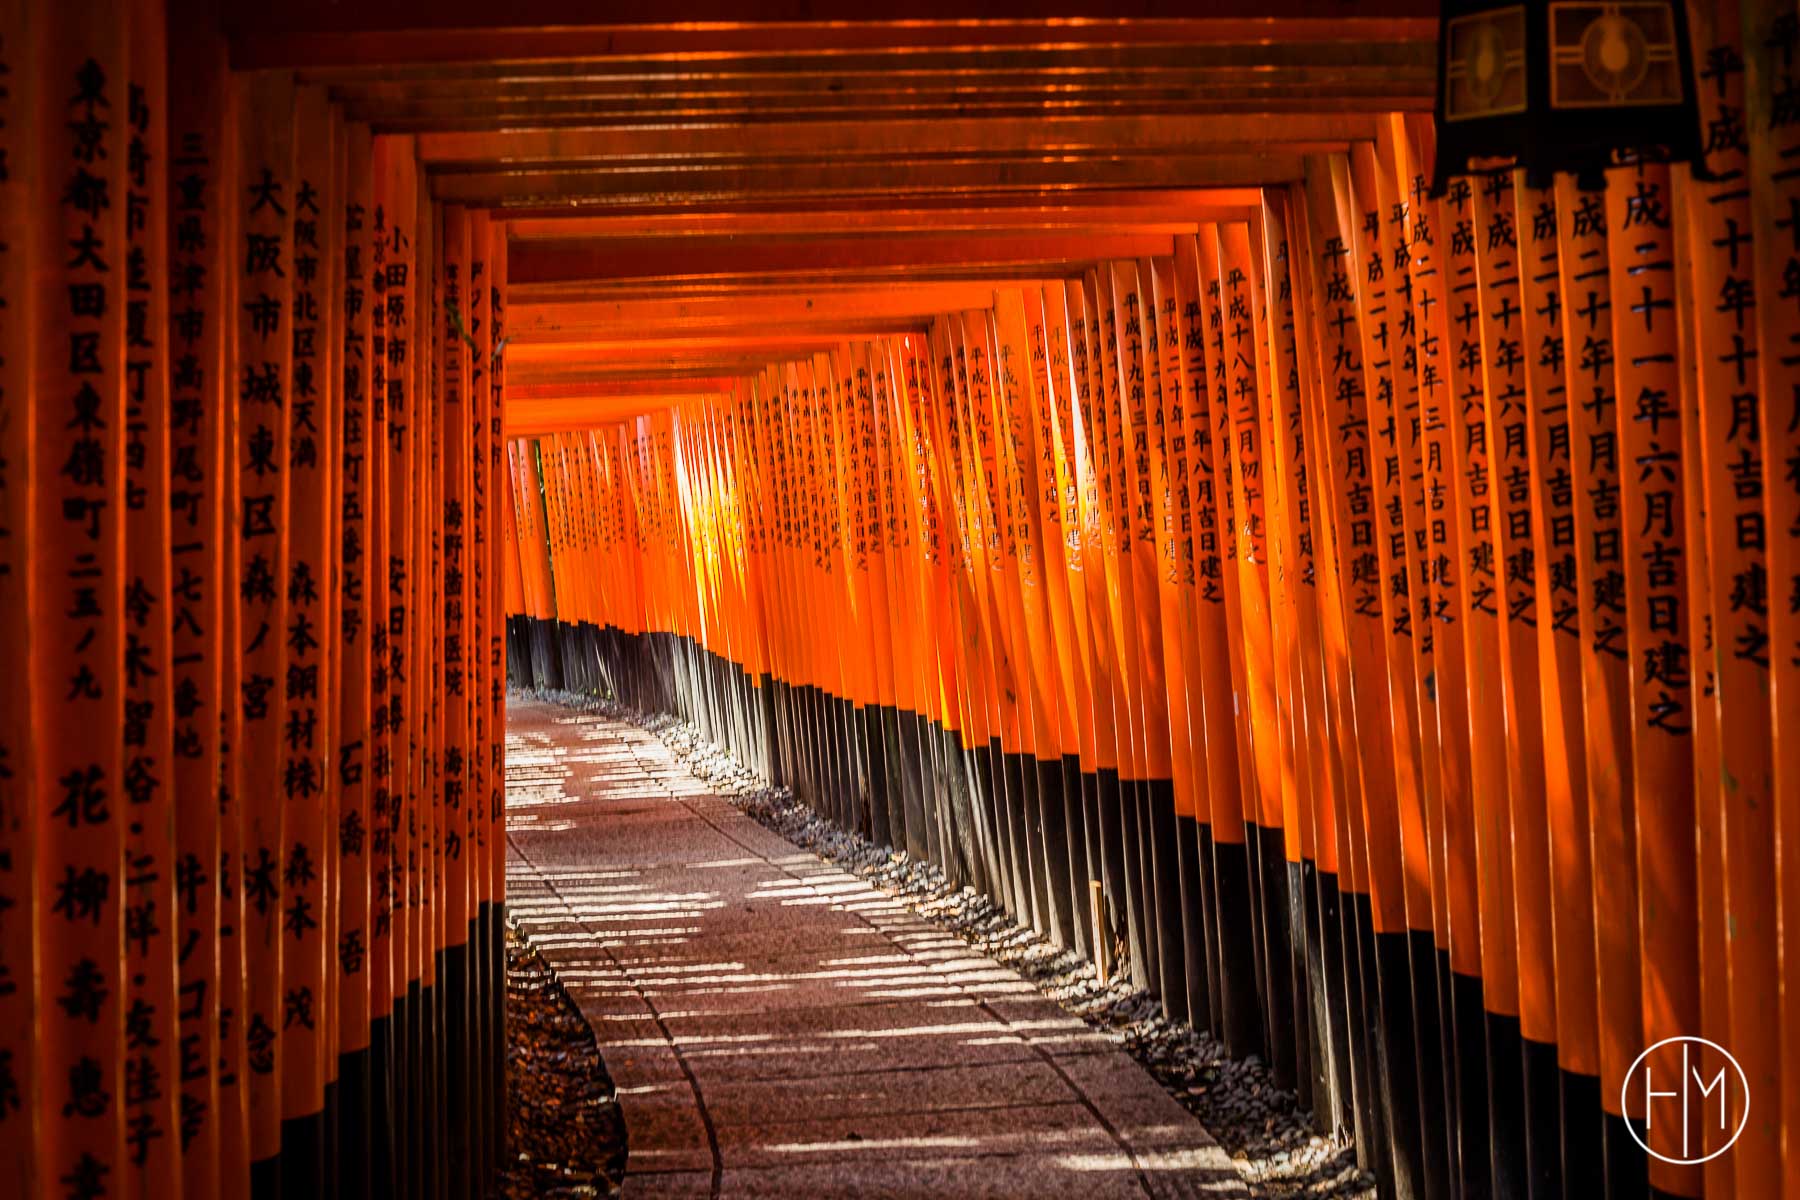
[[251, 767]]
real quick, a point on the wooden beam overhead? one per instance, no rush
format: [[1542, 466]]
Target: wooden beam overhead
[[1173, 211], [1132, 95], [822, 183], [747, 330], [663, 367], [501, 115], [526, 148], [526, 417], [1196, 44], [893, 68], [615, 387], [576, 425], [304, 33], [1198, 70], [558, 261], [861, 310], [743, 289], [628, 346], [1041, 209]]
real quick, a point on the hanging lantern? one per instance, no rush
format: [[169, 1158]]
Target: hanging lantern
[[1563, 85]]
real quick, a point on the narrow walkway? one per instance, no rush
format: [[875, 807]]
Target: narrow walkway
[[777, 1027]]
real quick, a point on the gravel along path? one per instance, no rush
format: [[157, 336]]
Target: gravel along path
[[565, 1136]]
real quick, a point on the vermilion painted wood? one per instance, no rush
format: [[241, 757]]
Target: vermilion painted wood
[[1109, 442], [1051, 484], [1709, 815], [396, 231], [1330, 829], [1495, 221], [1557, 604], [1280, 802], [1085, 397], [359, 567], [1472, 460], [454, 151], [314, 416], [537, 360], [1215, 748], [152, 1114], [454, 532], [499, 325], [1246, 438], [21, 1129], [1585, 281], [1642, 251], [1174, 210], [482, 532], [1772, 193], [1328, 194], [513, 585], [378, 837], [76, 309], [1451, 850], [1016, 427], [478, 39], [263, 198], [526, 393], [1390, 344], [1054, 372], [546, 261], [424, 623], [597, 188]]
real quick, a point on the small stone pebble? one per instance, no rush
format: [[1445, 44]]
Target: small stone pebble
[[1277, 1146]]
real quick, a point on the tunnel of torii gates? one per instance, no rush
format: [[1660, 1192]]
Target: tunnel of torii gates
[[1076, 448]]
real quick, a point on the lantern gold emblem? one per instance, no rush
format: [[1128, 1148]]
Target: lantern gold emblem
[[1613, 55], [1486, 69]]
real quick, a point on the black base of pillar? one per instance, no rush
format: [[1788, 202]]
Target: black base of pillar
[[1368, 1108], [1474, 1130], [1325, 990], [1196, 956], [302, 1157], [1269, 845], [1627, 1166], [1240, 1010], [355, 1125], [1109, 820], [1543, 1117], [1053, 837], [1398, 1047], [265, 1178], [1428, 1067], [1583, 1157], [1168, 901], [1506, 1108], [1131, 881]]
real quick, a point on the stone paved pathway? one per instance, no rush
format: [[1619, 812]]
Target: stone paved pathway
[[777, 1027]]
